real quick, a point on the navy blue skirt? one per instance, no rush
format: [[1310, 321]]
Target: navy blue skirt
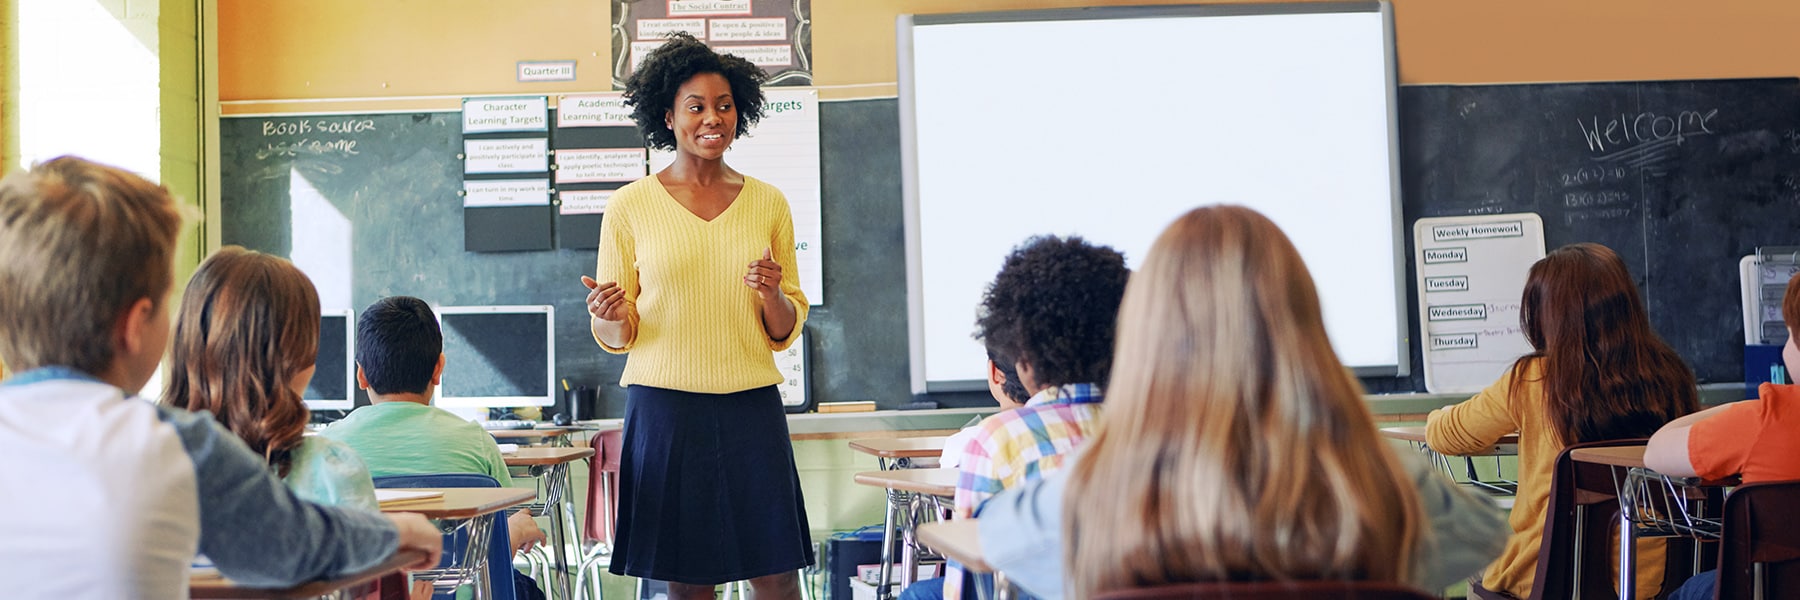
[[708, 492]]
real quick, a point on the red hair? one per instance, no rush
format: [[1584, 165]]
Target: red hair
[[1606, 374]]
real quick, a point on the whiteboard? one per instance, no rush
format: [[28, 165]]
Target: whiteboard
[[1109, 123], [1471, 277]]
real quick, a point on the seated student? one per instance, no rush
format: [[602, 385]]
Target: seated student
[[1003, 384], [1596, 372], [1052, 308], [400, 360], [86, 265], [1236, 447], [246, 340], [1758, 440]]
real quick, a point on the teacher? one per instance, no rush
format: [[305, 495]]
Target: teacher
[[696, 282]]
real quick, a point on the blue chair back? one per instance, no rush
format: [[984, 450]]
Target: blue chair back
[[500, 569]]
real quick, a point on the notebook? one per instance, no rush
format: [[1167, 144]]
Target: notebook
[[389, 498]]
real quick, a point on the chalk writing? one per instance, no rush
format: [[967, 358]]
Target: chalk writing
[[1627, 128], [1595, 199]]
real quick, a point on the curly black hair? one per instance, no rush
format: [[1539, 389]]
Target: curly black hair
[[1055, 306], [1014, 388], [651, 90]]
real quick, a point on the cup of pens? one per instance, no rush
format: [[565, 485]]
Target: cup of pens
[[579, 402]]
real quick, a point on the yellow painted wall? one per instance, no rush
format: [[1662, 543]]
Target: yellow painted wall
[[310, 49]]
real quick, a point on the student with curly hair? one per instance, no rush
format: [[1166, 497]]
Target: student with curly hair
[[1052, 308], [696, 280]]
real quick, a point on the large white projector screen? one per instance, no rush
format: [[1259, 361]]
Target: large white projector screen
[[1110, 122]]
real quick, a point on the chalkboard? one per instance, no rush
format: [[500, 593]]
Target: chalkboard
[[1681, 178], [1714, 173], [394, 177]]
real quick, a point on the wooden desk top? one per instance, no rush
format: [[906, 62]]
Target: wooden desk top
[[533, 457], [534, 433], [1618, 456], [1416, 433], [934, 482], [212, 585], [914, 447], [465, 503], [958, 540]]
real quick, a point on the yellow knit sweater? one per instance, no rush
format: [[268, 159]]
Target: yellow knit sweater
[[699, 327], [1474, 426]]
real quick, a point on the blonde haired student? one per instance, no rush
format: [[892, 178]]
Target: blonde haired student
[[245, 346], [1597, 371], [86, 262], [1236, 446]]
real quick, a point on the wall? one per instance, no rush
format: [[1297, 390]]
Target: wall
[[311, 49]]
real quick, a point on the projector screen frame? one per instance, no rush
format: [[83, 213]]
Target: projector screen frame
[[909, 144]]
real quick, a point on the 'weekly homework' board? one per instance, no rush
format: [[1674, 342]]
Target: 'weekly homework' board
[[1471, 274]]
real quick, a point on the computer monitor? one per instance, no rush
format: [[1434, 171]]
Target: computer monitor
[[333, 386], [497, 356]]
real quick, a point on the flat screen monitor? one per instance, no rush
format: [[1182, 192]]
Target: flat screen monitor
[[1110, 122], [333, 385], [498, 356]]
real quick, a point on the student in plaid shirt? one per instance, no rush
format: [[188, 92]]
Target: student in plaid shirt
[[1053, 308]]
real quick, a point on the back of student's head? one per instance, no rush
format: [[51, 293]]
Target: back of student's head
[[1235, 446], [1607, 375], [248, 328], [1013, 389], [1053, 307], [398, 344], [80, 242]]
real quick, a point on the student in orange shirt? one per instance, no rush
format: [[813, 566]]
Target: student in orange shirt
[[1756, 439]]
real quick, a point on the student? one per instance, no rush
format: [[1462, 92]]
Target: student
[[1758, 440], [400, 360], [1003, 385], [1596, 372], [86, 262], [245, 346], [1236, 447], [1052, 308]]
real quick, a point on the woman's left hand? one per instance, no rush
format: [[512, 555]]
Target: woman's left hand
[[764, 276]]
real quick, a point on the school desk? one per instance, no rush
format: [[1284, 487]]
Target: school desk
[[1652, 504], [909, 491], [1496, 485], [474, 510], [550, 465], [960, 540], [386, 575], [545, 435], [898, 453]]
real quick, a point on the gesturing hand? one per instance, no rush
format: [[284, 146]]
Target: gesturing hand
[[605, 301], [764, 276]]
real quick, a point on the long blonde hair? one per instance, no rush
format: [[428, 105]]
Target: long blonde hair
[[1235, 446]]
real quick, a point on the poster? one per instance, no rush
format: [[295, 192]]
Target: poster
[[773, 34]]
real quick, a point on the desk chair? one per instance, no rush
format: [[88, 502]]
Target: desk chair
[[1272, 590], [500, 569], [602, 508], [1760, 553], [1575, 558]]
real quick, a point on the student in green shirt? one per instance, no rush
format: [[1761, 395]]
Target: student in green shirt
[[400, 360]]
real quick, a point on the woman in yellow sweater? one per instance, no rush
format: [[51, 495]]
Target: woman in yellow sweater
[[1597, 372], [699, 287]]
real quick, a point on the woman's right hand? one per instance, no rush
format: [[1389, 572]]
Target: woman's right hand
[[605, 301]]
